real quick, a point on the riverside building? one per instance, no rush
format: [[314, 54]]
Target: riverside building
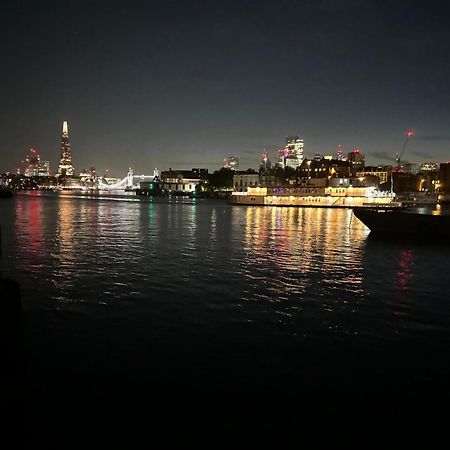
[[182, 181]]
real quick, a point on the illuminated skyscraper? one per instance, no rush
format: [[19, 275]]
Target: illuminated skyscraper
[[265, 161], [292, 154], [295, 147], [32, 166], [31, 163], [44, 169], [231, 162], [356, 159], [65, 166]]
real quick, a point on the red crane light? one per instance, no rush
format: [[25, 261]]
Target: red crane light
[[410, 133]]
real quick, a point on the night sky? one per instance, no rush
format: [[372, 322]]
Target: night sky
[[182, 84]]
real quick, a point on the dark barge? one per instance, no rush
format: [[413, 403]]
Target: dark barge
[[399, 221]]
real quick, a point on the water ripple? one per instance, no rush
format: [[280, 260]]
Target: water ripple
[[308, 272]]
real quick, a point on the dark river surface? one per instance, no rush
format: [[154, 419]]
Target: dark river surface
[[194, 318]]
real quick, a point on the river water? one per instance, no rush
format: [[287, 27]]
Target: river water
[[200, 315]]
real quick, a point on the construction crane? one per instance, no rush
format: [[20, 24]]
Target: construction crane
[[409, 134]]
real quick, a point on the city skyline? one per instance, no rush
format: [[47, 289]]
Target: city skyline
[[186, 84], [65, 153]]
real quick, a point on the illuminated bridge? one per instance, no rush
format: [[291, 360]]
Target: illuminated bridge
[[131, 181]]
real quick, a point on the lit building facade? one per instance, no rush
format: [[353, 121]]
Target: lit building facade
[[44, 169], [295, 145], [65, 166], [382, 172], [89, 177], [323, 168], [182, 181], [242, 181]]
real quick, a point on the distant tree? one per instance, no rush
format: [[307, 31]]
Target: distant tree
[[221, 179], [279, 172], [289, 172]]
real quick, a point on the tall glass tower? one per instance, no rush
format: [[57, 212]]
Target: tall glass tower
[[65, 166]]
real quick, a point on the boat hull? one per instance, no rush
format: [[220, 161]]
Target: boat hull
[[397, 221]]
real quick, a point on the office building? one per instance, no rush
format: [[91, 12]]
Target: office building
[[65, 166]]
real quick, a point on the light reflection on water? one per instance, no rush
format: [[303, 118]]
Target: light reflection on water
[[306, 271]]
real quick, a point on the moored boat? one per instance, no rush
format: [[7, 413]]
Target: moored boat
[[398, 221], [318, 197]]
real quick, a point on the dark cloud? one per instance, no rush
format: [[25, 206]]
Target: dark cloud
[[421, 153], [382, 156]]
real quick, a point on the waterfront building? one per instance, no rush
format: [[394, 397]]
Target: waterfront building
[[382, 172], [244, 180], [429, 177], [428, 181], [89, 177], [183, 181], [368, 181], [323, 168], [65, 166], [270, 178], [231, 162], [403, 182]]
